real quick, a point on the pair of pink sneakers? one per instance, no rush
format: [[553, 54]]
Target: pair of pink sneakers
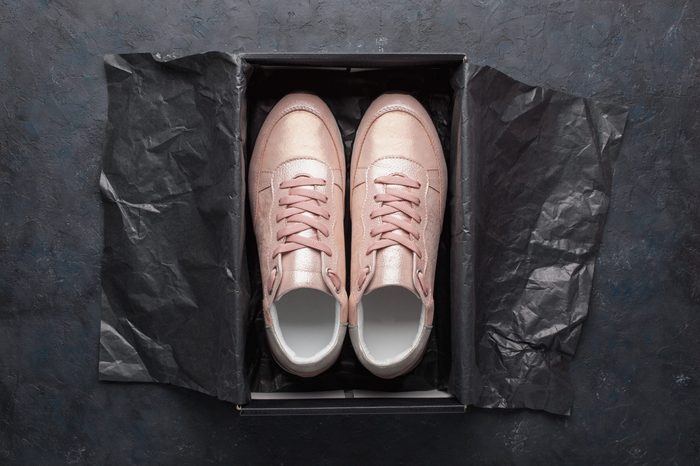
[[398, 185]]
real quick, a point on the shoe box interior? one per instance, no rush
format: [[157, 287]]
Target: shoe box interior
[[348, 84]]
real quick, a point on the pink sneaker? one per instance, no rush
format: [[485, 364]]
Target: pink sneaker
[[297, 189], [398, 181]]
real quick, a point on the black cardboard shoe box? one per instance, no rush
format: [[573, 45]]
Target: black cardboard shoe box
[[349, 83]]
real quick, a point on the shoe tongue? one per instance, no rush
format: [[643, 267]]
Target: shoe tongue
[[301, 269], [393, 266]]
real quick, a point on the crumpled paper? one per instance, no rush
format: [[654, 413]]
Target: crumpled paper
[[175, 288], [539, 180]]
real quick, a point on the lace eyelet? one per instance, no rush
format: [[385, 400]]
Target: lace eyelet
[[419, 275], [328, 274], [273, 277], [363, 278]]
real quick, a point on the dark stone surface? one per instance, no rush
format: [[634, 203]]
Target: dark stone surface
[[637, 370]]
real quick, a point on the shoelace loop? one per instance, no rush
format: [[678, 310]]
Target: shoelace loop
[[396, 198], [392, 201], [302, 200]]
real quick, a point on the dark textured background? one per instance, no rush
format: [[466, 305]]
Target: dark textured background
[[637, 370]]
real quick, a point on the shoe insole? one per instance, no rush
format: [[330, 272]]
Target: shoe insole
[[307, 320], [390, 318]]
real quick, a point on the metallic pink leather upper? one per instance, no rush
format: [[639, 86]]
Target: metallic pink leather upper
[[398, 192], [296, 189]]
